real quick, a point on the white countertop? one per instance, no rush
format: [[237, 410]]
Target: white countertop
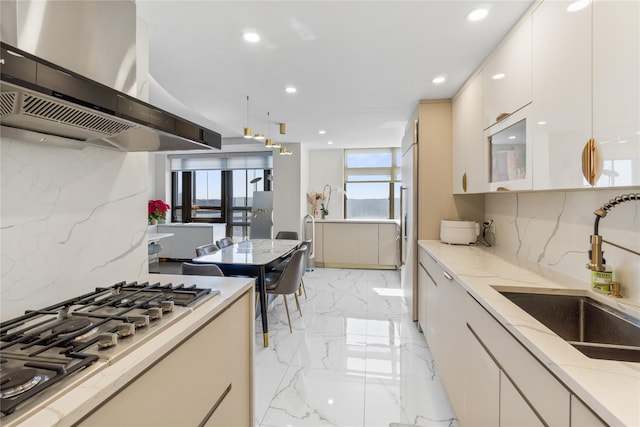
[[154, 237], [89, 392], [610, 388]]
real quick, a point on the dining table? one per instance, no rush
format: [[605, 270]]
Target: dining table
[[254, 258]]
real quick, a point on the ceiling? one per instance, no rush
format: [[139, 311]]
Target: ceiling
[[360, 67]]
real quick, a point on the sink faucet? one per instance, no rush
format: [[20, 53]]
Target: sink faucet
[[595, 253]]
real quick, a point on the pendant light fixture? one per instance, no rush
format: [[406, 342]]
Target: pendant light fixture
[[285, 151], [268, 143], [247, 131], [283, 128]]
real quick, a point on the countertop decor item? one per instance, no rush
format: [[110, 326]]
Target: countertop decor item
[[157, 210], [313, 198]]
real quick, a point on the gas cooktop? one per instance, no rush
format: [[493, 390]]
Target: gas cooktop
[[40, 350]]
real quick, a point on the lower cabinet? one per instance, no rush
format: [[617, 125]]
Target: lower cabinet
[[514, 409], [445, 323], [356, 244], [205, 380], [583, 416], [490, 377], [423, 286]]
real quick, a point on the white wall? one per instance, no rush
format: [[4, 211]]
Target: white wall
[[553, 228], [326, 167], [287, 190], [69, 221]]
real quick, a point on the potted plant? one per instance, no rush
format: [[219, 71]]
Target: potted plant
[[157, 210]]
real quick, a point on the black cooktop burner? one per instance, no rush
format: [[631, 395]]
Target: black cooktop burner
[[18, 381], [71, 325]]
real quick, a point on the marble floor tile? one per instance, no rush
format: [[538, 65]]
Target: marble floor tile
[[355, 358]]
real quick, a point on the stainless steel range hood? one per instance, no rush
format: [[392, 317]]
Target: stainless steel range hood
[[43, 102]]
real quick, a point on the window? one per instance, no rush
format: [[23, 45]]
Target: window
[[218, 196], [372, 183]]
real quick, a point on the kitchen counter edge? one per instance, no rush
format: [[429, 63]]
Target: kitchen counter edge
[[74, 405]]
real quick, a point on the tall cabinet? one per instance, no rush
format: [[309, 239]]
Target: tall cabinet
[[435, 158]]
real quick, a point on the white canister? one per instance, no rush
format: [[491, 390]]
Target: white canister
[[459, 232]]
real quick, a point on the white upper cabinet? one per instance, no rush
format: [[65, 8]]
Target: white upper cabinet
[[468, 154], [507, 75], [616, 91], [586, 85], [561, 110]]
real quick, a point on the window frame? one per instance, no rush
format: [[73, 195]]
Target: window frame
[[393, 171]]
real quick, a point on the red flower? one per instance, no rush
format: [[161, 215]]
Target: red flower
[[158, 209]]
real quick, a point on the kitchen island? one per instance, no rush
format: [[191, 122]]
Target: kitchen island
[[210, 347], [355, 243], [555, 384]]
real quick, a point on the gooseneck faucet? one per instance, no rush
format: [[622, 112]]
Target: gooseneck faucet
[[595, 253]]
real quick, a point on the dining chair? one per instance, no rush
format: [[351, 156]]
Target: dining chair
[[306, 245], [287, 235], [224, 242], [287, 281], [207, 249], [190, 269]]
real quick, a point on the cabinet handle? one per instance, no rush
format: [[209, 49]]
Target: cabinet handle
[[590, 161], [215, 406], [415, 131], [464, 182], [502, 116], [502, 189], [447, 275]]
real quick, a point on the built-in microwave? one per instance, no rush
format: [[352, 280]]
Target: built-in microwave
[[508, 147]]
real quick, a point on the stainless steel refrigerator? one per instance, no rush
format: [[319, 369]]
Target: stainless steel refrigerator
[[408, 214]]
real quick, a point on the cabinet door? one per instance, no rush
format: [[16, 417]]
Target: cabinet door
[[432, 317], [468, 154], [388, 245], [561, 108], [581, 416], [507, 75], [482, 385], [514, 409], [616, 91], [452, 324], [423, 289]]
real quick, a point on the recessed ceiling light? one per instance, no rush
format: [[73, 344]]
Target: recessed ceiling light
[[290, 89], [322, 132], [542, 122], [578, 5], [477, 14], [499, 76], [439, 79], [512, 137], [330, 142], [251, 36]]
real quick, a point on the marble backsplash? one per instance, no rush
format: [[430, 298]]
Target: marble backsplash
[[553, 228], [70, 220]]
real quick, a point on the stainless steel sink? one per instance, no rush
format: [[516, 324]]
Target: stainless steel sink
[[595, 329]]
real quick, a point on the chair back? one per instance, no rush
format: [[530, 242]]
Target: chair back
[[306, 244], [224, 242], [207, 249], [287, 235], [289, 280], [190, 269]]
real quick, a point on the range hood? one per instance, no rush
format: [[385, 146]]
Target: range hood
[[43, 102]]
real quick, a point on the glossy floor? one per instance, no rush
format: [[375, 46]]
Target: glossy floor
[[354, 358]]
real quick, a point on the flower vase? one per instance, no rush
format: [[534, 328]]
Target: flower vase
[[316, 212], [153, 221]]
